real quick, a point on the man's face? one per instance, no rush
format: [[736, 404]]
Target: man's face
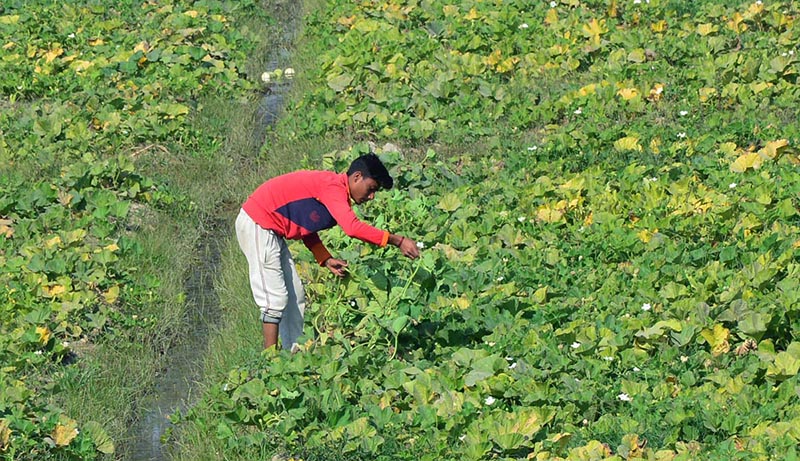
[[362, 189]]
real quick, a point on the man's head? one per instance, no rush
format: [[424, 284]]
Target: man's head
[[367, 175]]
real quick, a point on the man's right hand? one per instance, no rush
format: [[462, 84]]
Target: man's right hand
[[337, 266]]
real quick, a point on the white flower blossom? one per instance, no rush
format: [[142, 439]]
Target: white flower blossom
[[523, 26], [578, 111], [608, 359], [489, 400], [732, 185], [624, 397], [684, 359], [500, 279], [38, 353], [420, 245], [682, 135], [532, 148], [512, 366], [461, 438], [646, 307], [65, 344], [72, 35], [636, 369], [521, 219], [289, 72], [575, 345], [265, 77], [683, 113], [225, 387], [553, 4], [636, 2]]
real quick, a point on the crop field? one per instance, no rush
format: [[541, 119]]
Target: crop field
[[607, 193]]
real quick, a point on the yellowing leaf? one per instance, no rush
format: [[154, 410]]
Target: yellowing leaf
[[54, 52], [594, 28], [44, 334], [9, 45], [747, 161], [191, 13], [736, 23], [462, 302], [65, 433], [706, 93], [9, 19], [112, 294], [142, 46], [628, 93], [5, 434], [628, 143], [5, 228], [549, 215], [96, 42], [645, 235], [773, 148], [53, 291], [450, 10], [111, 247], [551, 17], [717, 338], [659, 26], [655, 145], [706, 29], [656, 92], [472, 15], [588, 89], [728, 148], [50, 243], [449, 202]]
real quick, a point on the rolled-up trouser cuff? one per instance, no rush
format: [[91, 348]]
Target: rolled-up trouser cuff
[[266, 318]]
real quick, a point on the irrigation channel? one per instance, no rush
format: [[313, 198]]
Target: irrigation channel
[[175, 386]]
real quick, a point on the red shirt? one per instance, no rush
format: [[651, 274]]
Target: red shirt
[[298, 205]]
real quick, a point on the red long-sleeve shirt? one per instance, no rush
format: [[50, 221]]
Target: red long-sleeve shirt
[[298, 205]]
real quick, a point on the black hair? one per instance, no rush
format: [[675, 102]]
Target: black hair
[[371, 166]]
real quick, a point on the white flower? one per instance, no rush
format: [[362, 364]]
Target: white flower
[[532, 148], [683, 113], [461, 438], [684, 359], [420, 245], [784, 54], [575, 345], [521, 219], [512, 366], [225, 387], [491, 343], [758, 2], [608, 359], [65, 344], [646, 307], [578, 111], [500, 279], [791, 52], [265, 77], [636, 2], [38, 353], [489, 400], [553, 4], [510, 359], [289, 72], [523, 26], [624, 397], [72, 35], [732, 185], [681, 135], [636, 369]]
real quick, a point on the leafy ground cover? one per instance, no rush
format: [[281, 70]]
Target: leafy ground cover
[[607, 193], [87, 90]]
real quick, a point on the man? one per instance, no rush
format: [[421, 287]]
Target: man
[[297, 206]]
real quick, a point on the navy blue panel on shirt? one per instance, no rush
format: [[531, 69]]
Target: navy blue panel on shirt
[[308, 213]]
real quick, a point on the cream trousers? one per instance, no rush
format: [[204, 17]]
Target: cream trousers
[[276, 287]]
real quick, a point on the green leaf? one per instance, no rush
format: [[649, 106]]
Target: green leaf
[[340, 82], [102, 441]]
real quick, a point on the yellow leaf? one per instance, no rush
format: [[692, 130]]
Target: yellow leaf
[[462, 302], [450, 10], [9, 45], [717, 338], [549, 215], [746, 161], [191, 13], [551, 17], [53, 291], [142, 46], [754, 10], [589, 219], [628, 143], [112, 294], [705, 29], [96, 42], [588, 89], [656, 92], [80, 66], [594, 28], [5, 434], [645, 235], [9, 19], [628, 93], [659, 26], [54, 52], [472, 15], [773, 148], [5, 228], [655, 145], [736, 23], [728, 148], [706, 93], [65, 433], [44, 334], [52, 242]]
